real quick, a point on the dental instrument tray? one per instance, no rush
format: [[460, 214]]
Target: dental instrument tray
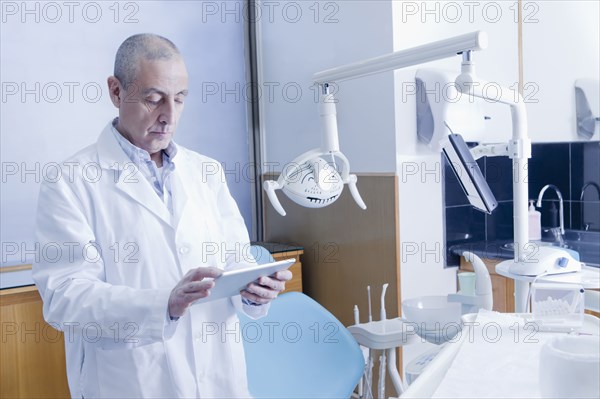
[[557, 306], [384, 334], [231, 282]]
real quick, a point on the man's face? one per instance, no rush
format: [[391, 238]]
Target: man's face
[[150, 107]]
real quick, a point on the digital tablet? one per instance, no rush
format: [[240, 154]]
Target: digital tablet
[[231, 282]]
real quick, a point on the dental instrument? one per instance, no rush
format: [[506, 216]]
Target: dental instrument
[[383, 317], [357, 321], [369, 301], [369, 368], [382, 314]]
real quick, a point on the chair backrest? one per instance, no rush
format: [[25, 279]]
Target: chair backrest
[[261, 254], [300, 350]]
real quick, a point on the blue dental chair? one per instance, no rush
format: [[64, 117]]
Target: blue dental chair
[[299, 350]]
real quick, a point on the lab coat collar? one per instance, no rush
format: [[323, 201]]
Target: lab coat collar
[[110, 154], [139, 155], [131, 180]]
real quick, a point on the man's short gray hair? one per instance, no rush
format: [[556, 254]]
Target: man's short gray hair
[[141, 46]]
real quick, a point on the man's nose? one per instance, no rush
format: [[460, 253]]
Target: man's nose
[[167, 113]]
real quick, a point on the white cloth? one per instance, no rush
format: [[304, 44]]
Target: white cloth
[[499, 359], [109, 291]]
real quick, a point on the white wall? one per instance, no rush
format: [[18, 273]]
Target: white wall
[[561, 44], [294, 48], [56, 46]]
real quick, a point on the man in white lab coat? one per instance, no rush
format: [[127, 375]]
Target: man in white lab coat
[[148, 225]]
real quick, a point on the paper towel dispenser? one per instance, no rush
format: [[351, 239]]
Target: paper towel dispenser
[[587, 106]]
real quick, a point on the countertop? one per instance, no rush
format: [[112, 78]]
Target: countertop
[[484, 249], [15, 276], [275, 248], [20, 275], [587, 248]]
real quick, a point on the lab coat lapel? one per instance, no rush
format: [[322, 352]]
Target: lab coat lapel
[[130, 180], [179, 197]]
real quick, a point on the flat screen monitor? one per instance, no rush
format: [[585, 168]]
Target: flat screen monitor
[[468, 174]]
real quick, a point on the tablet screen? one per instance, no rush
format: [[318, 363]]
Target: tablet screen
[[231, 282]]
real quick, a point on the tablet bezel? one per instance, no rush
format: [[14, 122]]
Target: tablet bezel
[[231, 282]]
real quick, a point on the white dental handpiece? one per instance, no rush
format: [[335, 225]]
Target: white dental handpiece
[[369, 300], [383, 314], [356, 315]]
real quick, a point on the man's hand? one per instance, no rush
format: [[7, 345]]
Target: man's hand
[[191, 287], [265, 289]]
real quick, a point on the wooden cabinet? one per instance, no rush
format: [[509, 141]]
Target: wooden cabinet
[[503, 288], [285, 251], [32, 353], [295, 284]]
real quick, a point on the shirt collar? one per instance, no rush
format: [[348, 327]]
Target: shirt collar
[[137, 154]]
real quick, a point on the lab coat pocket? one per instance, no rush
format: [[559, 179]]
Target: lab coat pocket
[[141, 371]]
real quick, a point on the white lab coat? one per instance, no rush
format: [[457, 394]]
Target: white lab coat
[[111, 253]]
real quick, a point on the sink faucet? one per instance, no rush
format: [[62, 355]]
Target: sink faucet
[[589, 184], [586, 226], [561, 208]]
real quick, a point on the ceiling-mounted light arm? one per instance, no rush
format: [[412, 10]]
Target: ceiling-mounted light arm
[[404, 58], [309, 180], [331, 143], [328, 112]]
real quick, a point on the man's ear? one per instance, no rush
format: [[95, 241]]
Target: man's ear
[[115, 91]]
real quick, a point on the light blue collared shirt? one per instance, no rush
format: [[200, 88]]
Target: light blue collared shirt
[[157, 177]]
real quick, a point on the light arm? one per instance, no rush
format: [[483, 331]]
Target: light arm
[[330, 142], [400, 59]]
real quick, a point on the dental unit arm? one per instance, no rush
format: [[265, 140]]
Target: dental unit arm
[[518, 148]]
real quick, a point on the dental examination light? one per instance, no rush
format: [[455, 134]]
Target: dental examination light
[[311, 180], [314, 179]]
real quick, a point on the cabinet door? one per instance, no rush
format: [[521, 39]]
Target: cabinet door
[[32, 354], [503, 293], [295, 284]]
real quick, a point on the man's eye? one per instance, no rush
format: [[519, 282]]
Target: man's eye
[[153, 100], [179, 100]]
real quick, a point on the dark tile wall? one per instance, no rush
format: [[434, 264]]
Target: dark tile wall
[[569, 166]]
